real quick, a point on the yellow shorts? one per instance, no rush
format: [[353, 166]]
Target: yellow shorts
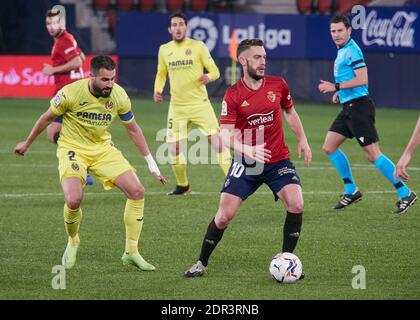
[[105, 163], [181, 119]]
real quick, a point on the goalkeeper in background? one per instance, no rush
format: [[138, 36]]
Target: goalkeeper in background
[[185, 59], [88, 107]]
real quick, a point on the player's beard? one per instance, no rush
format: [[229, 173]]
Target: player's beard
[[181, 39], [98, 92], [253, 73]]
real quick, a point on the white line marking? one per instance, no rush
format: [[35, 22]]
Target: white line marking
[[160, 193], [214, 166]]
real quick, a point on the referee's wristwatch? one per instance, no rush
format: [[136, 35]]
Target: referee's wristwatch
[[337, 86]]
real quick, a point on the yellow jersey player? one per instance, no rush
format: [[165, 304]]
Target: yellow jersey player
[[88, 108], [185, 59]]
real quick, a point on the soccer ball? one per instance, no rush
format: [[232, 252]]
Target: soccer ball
[[286, 268]]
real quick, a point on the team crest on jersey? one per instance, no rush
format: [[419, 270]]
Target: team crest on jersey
[[271, 96], [109, 105], [75, 166], [188, 52], [56, 100]]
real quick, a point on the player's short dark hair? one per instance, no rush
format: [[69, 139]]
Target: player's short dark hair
[[177, 15], [248, 43], [341, 18], [100, 62], [52, 13]]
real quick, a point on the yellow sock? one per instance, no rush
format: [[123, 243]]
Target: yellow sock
[[72, 220], [225, 160], [133, 219], [179, 168]]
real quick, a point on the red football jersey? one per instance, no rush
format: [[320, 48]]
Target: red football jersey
[[259, 111], [65, 49]]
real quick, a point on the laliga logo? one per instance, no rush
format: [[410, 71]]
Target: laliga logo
[[394, 32], [272, 37], [203, 29]]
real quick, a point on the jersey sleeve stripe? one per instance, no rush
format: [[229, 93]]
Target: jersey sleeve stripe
[[126, 116], [356, 62], [360, 67]]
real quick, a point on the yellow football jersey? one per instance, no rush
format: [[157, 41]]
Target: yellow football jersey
[[185, 63], [86, 119]]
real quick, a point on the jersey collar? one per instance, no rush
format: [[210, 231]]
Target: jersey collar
[[347, 44], [250, 89]]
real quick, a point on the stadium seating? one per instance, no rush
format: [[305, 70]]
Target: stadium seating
[[101, 4], [304, 6], [147, 5], [325, 6], [124, 5], [174, 5], [199, 5]]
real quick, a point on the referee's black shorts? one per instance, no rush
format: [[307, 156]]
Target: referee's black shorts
[[357, 119]]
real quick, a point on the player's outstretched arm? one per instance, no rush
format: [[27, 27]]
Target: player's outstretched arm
[[296, 126], [136, 135], [401, 167], [39, 126]]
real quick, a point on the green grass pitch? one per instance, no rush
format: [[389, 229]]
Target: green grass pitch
[[32, 236]]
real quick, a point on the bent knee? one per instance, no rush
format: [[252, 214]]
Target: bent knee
[[223, 218], [296, 207], [137, 193], [371, 157], [73, 202], [328, 149]]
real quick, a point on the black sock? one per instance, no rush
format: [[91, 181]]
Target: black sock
[[210, 241], [291, 231], [56, 136]]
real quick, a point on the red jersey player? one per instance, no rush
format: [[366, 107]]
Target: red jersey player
[[251, 124], [67, 59]]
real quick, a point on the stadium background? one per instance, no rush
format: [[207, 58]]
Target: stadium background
[[299, 47]]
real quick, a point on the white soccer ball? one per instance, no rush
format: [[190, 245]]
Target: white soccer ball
[[286, 268]]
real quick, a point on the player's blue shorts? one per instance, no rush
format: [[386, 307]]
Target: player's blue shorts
[[242, 181], [59, 119]]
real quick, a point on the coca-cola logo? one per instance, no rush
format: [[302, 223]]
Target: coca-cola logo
[[397, 31]]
